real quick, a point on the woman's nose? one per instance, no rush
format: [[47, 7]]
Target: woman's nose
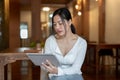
[[57, 26]]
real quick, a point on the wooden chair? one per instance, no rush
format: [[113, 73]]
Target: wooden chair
[[36, 70], [105, 54], [43, 74], [117, 60]]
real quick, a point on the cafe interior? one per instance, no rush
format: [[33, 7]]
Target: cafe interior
[[25, 25]]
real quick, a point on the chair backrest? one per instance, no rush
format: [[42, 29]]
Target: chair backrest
[[103, 52]]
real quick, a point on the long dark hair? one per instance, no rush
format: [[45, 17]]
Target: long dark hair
[[64, 13]]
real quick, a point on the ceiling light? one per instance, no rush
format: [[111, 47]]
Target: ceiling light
[[79, 13], [46, 9]]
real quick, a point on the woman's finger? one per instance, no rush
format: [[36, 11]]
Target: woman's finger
[[49, 63], [47, 67]]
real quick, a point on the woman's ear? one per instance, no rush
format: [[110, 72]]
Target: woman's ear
[[70, 22]]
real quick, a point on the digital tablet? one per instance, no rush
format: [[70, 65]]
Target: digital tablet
[[38, 58]]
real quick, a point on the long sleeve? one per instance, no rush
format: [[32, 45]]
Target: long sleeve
[[49, 45], [72, 62], [76, 66]]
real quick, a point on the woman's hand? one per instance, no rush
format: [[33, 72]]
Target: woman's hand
[[50, 68]]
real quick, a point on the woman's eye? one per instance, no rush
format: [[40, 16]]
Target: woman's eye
[[54, 24], [60, 23]]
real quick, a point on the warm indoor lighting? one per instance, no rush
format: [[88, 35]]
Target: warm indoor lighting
[[79, 13], [50, 15], [46, 9], [79, 1], [76, 6]]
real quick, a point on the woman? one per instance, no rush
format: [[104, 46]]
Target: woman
[[67, 46]]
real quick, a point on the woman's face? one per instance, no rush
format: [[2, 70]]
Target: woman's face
[[60, 27]]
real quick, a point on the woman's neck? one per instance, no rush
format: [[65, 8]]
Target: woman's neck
[[68, 36]]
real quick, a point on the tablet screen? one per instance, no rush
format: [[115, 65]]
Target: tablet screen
[[38, 58]]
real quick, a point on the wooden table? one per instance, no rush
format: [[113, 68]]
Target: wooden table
[[19, 50], [97, 46], [11, 55], [6, 58]]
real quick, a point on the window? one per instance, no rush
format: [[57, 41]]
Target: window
[[23, 31]]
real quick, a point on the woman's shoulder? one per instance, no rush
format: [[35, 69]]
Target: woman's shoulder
[[51, 37], [81, 39]]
